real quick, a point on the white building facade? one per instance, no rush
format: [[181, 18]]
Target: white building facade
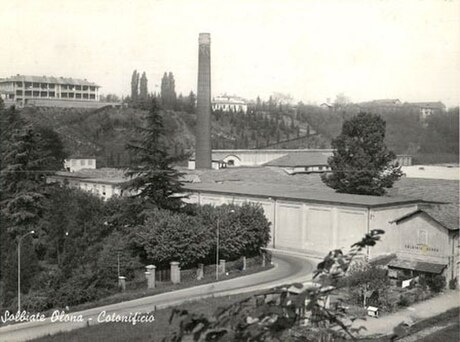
[[229, 103], [23, 90]]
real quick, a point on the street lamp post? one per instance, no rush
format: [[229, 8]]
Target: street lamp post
[[217, 244], [19, 268], [217, 249]]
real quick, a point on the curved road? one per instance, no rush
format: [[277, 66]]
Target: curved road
[[288, 269]]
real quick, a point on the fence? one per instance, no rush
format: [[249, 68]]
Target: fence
[[163, 276]]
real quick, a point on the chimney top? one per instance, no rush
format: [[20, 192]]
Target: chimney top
[[204, 38]]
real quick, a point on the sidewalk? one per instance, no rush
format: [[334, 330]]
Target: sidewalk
[[426, 309]]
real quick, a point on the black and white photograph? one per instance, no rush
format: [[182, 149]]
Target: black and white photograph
[[229, 170]]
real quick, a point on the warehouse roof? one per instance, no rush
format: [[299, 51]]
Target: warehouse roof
[[48, 79], [294, 193]]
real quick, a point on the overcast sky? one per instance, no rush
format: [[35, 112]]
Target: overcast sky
[[312, 50]]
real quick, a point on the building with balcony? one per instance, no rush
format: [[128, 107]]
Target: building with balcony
[[46, 91], [227, 103]]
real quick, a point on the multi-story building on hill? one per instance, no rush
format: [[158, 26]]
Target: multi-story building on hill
[[229, 103], [429, 108], [23, 90]]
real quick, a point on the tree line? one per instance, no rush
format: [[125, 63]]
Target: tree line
[[167, 98]]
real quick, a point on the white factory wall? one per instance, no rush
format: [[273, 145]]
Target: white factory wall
[[302, 227]]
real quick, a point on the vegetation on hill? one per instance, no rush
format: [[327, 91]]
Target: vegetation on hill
[[429, 141]]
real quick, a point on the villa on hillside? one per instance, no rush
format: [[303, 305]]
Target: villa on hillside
[[228, 103], [48, 91]]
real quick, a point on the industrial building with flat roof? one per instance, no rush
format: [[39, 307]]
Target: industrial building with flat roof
[[46, 91], [419, 216]]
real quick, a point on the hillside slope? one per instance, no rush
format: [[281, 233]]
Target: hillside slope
[[104, 133]]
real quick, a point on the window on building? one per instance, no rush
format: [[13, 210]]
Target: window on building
[[28, 93], [92, 88], [51, 94], [36, 93], [28, 85], [36, 85], [11, 96], [44, 86], [18, 84], [92, 96], [90, 162], [78, 95], [74, 162], [51, 86], [85, 87], [18, 92], [82, 162], [43, 94], [19, 99], [78, 87], [85, 96], [71, 95], [64, 86], [422, 237], [64, 95]]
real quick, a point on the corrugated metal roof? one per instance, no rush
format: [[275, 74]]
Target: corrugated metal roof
[[294, 193], [416, 265], [307, 158], [48, 79]]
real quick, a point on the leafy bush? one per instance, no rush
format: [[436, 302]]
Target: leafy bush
[[364, 278], [168, 236], [244, 230], [436, 283], [453, 283], [403, 301]]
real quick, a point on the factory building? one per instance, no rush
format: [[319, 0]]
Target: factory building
[[313, 223]]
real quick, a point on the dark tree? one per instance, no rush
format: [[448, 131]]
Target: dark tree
[[362, 164], [152, 176], [168, 92], [143, 88], [258, 104], [24, 163], [135, 86], [191, 103]]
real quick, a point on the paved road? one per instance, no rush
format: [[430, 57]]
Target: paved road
[[288, 269]]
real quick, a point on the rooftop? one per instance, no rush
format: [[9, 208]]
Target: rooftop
[[437, 104], [294, 193], [48, 79], [417, 265], [306, 158], [441, 215]]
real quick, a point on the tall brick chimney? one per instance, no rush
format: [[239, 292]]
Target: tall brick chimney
[[203, 127]]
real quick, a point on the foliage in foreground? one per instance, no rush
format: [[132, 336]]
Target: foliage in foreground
[[271, 315]]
